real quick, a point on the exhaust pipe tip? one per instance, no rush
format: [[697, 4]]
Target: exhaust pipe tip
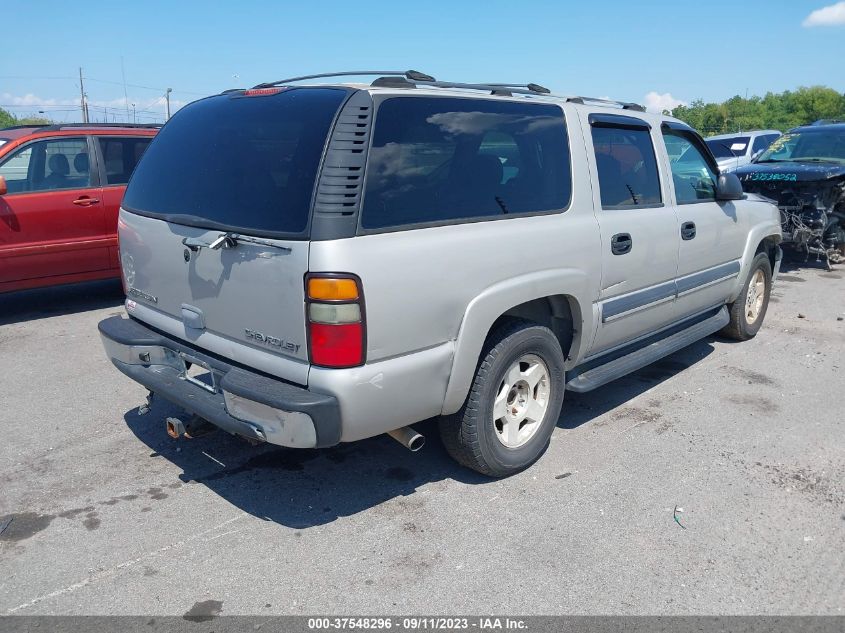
[[416, 443], [408, 438]]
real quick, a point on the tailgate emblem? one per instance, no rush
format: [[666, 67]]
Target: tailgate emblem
[[273, 341], [139, 294]]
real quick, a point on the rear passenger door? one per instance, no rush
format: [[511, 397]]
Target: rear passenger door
[[51, 219], [712, 232], [118, 156], [639, 231]]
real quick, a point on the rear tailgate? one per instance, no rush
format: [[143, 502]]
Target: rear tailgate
[[242, 163], [250, 294]]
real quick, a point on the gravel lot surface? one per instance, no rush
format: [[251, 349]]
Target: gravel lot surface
[[111, 516]]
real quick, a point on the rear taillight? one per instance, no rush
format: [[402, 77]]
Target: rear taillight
[[335, 313]]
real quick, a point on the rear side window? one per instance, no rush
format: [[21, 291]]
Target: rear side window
[[628, 175], [120, 155], [238, 162], [439, 160]]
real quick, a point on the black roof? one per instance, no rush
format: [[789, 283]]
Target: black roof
[[821, 126]]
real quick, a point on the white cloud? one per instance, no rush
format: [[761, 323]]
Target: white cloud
[[834, 15], [656, 102]]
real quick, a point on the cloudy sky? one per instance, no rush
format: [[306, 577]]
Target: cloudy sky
[[660, 53]]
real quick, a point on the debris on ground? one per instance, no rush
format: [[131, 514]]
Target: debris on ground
[[563, 476], [675, 516], [801, 316], [5, 524]]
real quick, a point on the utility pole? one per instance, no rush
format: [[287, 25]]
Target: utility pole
[[167, 99], [82, 103], [134, 120]]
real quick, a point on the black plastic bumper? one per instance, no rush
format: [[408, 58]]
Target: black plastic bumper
[[166, 381]]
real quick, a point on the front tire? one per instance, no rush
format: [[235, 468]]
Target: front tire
[[513, 404], [749, 309]]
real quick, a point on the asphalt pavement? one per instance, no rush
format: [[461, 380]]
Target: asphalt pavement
[[712, 482]]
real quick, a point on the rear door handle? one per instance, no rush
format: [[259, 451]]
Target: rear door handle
[[621, 243], [688, 230], [86, 201]]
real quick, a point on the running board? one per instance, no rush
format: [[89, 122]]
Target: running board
[[603, 374]]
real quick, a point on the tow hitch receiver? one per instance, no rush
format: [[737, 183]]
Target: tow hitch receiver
[[195, 427]]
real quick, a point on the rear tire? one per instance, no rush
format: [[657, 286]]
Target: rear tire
[[749, 309], [514, 402]]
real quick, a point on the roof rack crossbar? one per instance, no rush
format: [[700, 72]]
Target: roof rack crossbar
[[413, 75], [625, 105]]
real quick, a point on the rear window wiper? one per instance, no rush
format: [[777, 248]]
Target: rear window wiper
[[229, 240]]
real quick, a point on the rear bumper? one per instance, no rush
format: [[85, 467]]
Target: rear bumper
[[236, 400]]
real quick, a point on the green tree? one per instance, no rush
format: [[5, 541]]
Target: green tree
[[780, 111], [34, 120], [7, 119]]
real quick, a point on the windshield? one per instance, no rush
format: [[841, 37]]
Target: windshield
[[728, 147], [238, 162], [819, 145]]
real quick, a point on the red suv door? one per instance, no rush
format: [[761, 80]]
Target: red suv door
[[118, 156], [52, 223]]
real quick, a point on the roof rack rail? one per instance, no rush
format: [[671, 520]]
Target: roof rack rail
[[64, 126], [507, 90], [23, 126], [625, 105], [530, 86], [413, 75]]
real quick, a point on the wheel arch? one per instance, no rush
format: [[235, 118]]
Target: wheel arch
[[556, 298], [762, 238]]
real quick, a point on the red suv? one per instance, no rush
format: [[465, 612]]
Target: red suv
[[60, 191]]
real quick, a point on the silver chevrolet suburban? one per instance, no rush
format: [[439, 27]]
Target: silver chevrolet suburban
[[313, 264]]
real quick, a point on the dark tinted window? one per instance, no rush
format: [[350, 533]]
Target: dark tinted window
[[238, 162], [760, 143], [443, 159], [120, 155], [627, 167], [48, 165], [729, 147]]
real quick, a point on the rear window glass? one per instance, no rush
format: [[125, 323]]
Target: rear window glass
[[246, 163], [436, 160], [728, 147]]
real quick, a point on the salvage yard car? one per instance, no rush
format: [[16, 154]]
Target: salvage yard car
[[804, 172], [309, 265], [735, 150], [60, 192]]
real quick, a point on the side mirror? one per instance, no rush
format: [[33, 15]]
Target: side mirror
[[3, 188], [728, 187]]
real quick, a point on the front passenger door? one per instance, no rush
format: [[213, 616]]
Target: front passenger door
[[712, 232], [51, 219]]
